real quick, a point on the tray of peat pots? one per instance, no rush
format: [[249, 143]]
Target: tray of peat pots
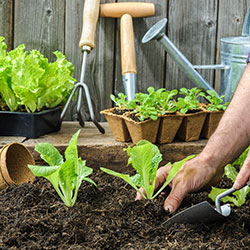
[[32, 91], [215, 110], [114, 117], [193, 115], [143, 122], [170, 118]]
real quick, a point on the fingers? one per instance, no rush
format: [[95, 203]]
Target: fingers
[[175, 198], [161, 176], [244, 174]]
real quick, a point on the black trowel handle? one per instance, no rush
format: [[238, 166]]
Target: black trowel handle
[[90, 18]]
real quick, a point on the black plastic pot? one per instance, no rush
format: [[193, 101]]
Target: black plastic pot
[[31, 125]]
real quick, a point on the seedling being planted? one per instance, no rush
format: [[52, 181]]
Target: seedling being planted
[[145, 158], [65, 176]]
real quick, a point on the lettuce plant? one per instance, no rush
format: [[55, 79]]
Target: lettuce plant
[[239, 196], [28, 79], [145, 158], [165, 102], [189, 101], [120, 101], [145, 106], [65, 176], [215, 103]]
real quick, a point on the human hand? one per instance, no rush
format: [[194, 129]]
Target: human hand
[[195, 174], [244, 174]]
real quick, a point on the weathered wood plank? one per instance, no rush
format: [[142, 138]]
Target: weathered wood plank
[[39, 24], [150, 58], [6, 12], [101, 150], [231, 13], [99, 70], [192, 28]]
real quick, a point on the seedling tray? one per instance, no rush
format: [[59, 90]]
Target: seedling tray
[[31, 125]]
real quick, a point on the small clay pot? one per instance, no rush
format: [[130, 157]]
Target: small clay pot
[[169, 125], [117, 125], [191, 126], [14, 160], [145, 130]]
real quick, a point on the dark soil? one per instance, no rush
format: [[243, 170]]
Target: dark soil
[[118, 111], [33, 217]]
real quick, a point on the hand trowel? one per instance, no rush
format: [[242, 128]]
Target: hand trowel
[[204, 212]]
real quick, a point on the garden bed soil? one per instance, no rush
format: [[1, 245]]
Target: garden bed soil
[[33, 217]]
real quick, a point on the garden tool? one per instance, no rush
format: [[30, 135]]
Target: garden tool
[[87, 43], [126, 11], [204, 212], [234, 51]]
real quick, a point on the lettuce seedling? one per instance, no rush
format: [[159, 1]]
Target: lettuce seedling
[[120, 101], [145, 105], [65, 176], [239, 196], [190, 100], [215, 103], [145, 158]]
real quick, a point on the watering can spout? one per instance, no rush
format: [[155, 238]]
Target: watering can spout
[[157, 32]]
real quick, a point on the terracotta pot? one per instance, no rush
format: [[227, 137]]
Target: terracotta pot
[[169, 125], [191, 126], [211, 123], [14, 160], [145, 130], [117, 125]]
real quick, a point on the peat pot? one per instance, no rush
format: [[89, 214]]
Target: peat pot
[[31, 125], [117, 125], [14, 160], [211, 122], [169, 125], [145, 130], [192, 124]]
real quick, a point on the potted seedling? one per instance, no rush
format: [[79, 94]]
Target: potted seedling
[[214, 109], [193, 115], [143, 122], [114, 117], [170, 119], [32, 91]]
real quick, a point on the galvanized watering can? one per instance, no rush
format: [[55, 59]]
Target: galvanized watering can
[[234, 51]]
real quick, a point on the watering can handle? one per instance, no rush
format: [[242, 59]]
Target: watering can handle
[[246, 25]]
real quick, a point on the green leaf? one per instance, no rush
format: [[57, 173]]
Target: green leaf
[[125, 177], [49, 154], [231, 172], [43, 171], [172, 172], [71, 151]]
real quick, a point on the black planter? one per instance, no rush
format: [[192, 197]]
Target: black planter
[[31, 125]]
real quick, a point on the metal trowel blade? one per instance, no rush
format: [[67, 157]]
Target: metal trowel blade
[[199, 213]]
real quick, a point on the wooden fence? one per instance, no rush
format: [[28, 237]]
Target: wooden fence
[[194, 26]]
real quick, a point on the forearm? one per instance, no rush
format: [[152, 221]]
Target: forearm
[[233, 133]]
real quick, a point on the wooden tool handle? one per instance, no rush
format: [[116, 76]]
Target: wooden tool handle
[[135, 9], [90, 18], [127, 45]]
